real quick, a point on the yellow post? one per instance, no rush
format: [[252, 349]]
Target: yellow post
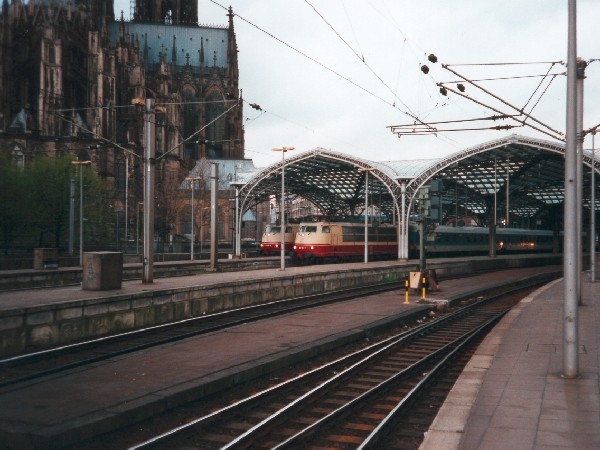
[[406, 286]]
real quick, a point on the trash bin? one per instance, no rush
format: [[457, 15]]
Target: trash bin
[[102, 271], [45, 258]]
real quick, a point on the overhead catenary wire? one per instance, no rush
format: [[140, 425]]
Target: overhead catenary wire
[[516, 63], [175, 147], [329, 69], [548, 133], [502, 101], [362, 59]]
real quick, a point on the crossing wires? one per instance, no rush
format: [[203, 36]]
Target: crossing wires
[[505, 114]]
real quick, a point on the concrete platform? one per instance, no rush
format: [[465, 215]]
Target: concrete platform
[[69, 407], [512, 394], [42, 318]]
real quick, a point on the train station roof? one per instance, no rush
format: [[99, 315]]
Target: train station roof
[[530, 170]]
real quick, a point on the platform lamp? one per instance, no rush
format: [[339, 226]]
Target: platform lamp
[[283, 150], [366, 170], [192, 181], [83, 159]]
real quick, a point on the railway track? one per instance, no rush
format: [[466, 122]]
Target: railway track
[[34, 365], [361, 400]]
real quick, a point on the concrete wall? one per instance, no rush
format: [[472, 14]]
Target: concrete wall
[[57, 324], [64, 323]]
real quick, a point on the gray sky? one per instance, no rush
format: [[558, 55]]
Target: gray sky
[[336, 73]]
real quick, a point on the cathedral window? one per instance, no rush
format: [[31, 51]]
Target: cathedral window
[[216, 131]]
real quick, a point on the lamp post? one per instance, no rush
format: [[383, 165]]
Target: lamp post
[[283, 150], [192, 181], [366, 170], [83, 159]]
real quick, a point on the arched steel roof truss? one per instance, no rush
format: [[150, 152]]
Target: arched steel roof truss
[[331, 180], [526, 175], [532, 169]]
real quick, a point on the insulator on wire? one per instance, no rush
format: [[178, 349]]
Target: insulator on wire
[[425, 69], [461, 87], [432, 58], [443, 91]]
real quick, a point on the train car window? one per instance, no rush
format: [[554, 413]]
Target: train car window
[[325, 229], [288, 229], [308, 229], [272, 229], [352, 234]]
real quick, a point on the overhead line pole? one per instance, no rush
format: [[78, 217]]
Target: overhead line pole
[[593, 212], [581, 65], [570, 313], [149, 161]]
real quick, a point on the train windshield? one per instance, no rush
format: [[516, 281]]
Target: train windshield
[[272, 229], [308, 229]]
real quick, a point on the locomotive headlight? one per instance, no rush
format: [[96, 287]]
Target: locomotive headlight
[[312, 247], [295, 248]]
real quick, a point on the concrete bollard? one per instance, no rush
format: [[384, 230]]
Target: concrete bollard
[[102, 271]]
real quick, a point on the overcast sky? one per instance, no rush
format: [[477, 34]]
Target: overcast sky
[[336, 73]]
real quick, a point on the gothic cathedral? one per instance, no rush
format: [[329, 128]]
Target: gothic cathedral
[[73, 76]]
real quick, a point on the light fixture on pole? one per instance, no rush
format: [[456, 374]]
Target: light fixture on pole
[[192, 181], [366, 170], [83, 159], [283, 150]]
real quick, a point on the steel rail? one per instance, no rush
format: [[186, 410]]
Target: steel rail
[[371, 352]]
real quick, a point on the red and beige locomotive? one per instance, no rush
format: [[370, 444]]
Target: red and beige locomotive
[[319, 241], [270, 243]]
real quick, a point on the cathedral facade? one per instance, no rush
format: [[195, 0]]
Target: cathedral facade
[[73, 76]]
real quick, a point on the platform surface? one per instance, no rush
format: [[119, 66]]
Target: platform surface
[[512, 394]]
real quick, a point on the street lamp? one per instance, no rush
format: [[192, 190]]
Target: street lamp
[[283, 150], [83, 158], [192, 181], [366, 170]]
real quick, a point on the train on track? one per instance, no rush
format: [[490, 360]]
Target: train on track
[[451, 241], [318, 241], [270, 244], [311, 242]]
